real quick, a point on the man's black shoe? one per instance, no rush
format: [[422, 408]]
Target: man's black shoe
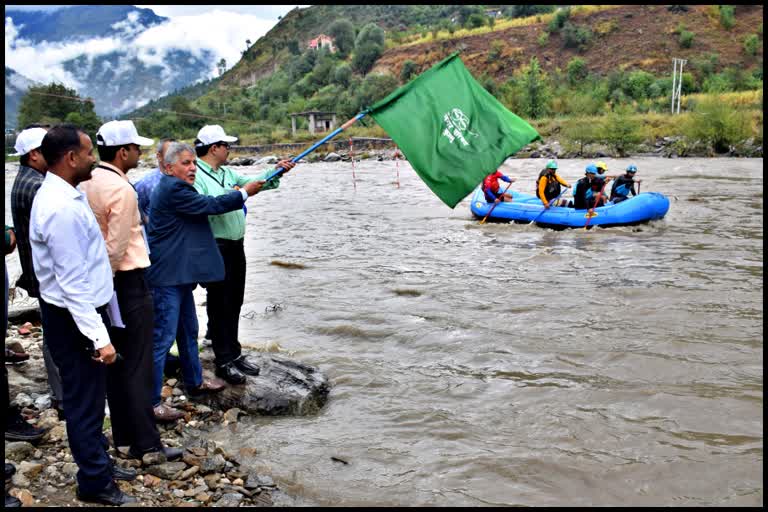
[[230, 373], [17, 429], [10, 470], [170, 453], [245, 366], [121, 473], [111, 495], [11, 502]]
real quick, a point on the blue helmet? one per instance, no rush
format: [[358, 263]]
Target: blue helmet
[[591, 169], [631, 168]]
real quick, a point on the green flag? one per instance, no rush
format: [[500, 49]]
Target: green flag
[[453, 132]]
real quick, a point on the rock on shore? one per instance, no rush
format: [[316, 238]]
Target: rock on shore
[[209, 474]]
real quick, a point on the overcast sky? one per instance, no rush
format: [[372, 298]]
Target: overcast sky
[[222, 29]]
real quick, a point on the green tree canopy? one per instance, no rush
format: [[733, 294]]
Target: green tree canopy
[[343, 33], [52, 103], [371, 33]]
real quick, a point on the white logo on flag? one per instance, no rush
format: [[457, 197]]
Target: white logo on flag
[[456, 123]]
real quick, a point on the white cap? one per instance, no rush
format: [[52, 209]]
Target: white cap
[[117, 133], [212, 133], [29, 139]]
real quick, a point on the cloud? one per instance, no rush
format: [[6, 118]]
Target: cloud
[[43, 62], [216, 29]]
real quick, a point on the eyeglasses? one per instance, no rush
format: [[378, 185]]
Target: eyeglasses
[[225, 144]]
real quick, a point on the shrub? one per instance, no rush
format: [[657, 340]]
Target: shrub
[[638, 84], [575, 36], [726, 16], [407, 71], [751, 43], [561, 16], [495, 52], [719, 125], [475, 20], [365, 57], [577, 70], [620, 131], [686, 39], [543, 38]]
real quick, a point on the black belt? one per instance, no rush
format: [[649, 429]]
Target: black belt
[[225, 241]]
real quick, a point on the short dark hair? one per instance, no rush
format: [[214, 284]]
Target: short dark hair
[[108, 153], [24, 160], [201, 151], [60, 140]]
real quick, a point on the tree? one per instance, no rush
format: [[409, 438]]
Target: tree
[[365, 57], [534, 91], [342, 75], [370, 33], [408, 70], [343, 33], [577, 70], [222, 65], [53, 103]]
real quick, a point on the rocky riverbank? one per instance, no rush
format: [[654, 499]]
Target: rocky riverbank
[[209, 474]]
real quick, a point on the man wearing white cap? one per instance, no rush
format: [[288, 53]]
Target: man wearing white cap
[[32, 169], [225, 298], [114, 203]]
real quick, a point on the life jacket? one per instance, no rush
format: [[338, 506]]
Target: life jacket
[[585, 193], [491, 182], [552, 189], [622, 188]]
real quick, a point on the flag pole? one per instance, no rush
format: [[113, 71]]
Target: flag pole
[[280, 170]]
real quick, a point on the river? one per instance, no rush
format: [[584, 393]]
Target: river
[[506, 364]]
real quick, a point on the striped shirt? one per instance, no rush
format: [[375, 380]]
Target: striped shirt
[[25, 187]]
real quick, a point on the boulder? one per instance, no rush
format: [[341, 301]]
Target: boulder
[[332, 157], [271, 159], [283, 387], [241, 160]]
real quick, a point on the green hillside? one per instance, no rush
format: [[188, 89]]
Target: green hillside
[[543, 64]]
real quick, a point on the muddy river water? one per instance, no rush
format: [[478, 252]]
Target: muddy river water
[[506, 364]]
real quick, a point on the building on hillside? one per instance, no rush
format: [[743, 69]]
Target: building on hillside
[[493, 13], [322, 41], [318, 121]]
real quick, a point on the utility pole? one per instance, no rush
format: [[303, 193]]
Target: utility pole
[[677, 82]]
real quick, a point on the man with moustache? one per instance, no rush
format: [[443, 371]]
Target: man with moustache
[[72, 267], [183, 253], [115, 204]]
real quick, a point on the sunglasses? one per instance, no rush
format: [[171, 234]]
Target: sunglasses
[[225, 144]]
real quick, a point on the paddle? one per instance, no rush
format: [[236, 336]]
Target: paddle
[[638, 188], [494, 204], [597, 201], [565, 189]]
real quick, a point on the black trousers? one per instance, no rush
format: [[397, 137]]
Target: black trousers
[[129, 382], [84, 385], [225, 299]]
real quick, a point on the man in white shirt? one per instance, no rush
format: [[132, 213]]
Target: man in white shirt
[[73, 269]]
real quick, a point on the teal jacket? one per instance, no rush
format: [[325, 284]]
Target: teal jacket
[[231, 225]]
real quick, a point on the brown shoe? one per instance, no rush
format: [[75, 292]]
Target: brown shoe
[[167, 414], [15, 357], [208, 386]]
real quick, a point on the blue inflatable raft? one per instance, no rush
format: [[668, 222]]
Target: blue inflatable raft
[[525, 208]]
